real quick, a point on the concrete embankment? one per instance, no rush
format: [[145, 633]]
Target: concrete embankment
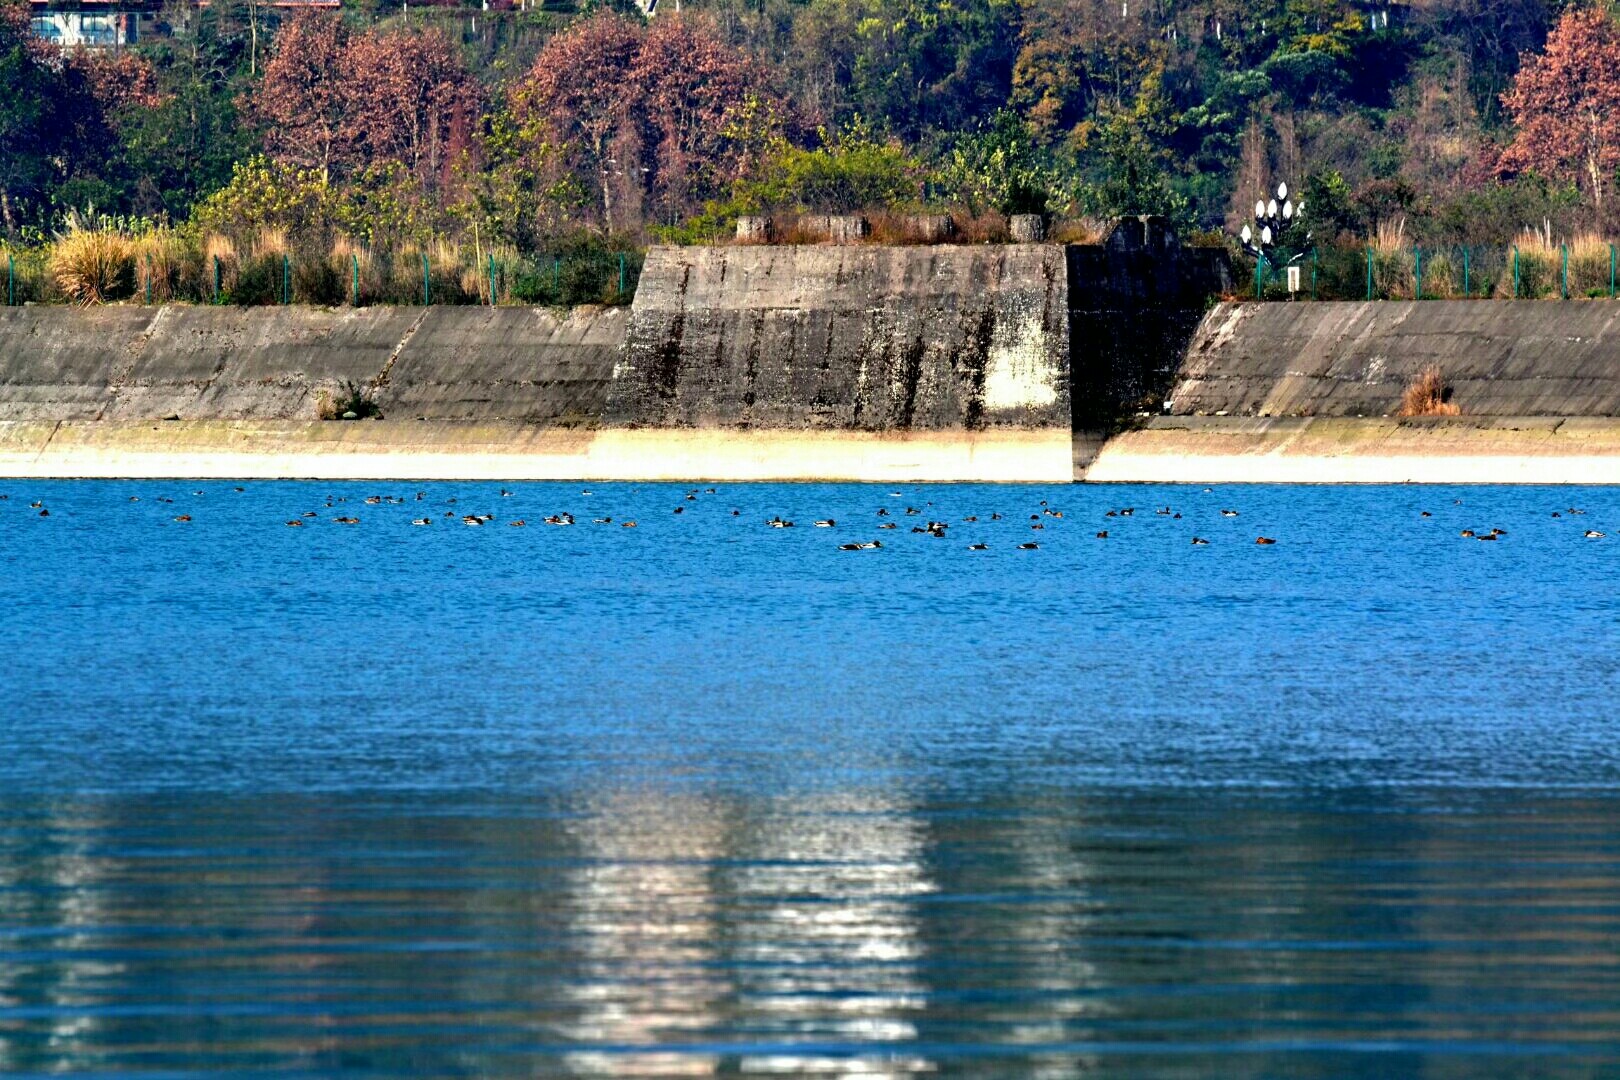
[[1311, 392], [842, 363], [945, 363]]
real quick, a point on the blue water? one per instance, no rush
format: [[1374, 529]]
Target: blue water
[[706, 797]]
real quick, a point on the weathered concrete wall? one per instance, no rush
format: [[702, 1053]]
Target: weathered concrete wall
[[134, 363], [848, 338], [1498, 358], [1134, 303]]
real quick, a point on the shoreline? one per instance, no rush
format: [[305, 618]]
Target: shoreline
[[1167, 450], [1381, 450], [455, 450]]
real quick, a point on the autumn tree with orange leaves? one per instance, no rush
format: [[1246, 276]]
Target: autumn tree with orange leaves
[[668, 113], [342, 103], [1566, 104]]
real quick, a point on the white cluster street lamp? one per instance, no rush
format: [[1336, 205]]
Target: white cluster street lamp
[[1278, 238]]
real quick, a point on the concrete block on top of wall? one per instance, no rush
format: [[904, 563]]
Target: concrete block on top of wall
[[1027, 228], [835, 228], [755, 229]]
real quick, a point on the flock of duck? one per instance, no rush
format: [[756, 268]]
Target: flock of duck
[[887, 519]]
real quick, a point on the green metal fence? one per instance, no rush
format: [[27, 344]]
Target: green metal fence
[[1564, 272], [356, 279]]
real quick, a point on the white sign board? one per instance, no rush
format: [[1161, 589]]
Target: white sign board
[[1293, 279]]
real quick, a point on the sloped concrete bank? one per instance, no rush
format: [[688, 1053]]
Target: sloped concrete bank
[[866, 363], [1311, 392]]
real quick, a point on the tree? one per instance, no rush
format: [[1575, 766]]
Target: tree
[[410, 100], [303, 104], [578, 91], [51, 123], [1566, 103], [690, 87]]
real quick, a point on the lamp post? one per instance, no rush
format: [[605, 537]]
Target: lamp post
[[1278, 238]]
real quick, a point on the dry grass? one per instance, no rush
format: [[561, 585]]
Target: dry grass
[[93, 267], [1426, 396], [1391, 236], [1083, 230]]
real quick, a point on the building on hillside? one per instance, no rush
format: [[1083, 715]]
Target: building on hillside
[[115, 24]]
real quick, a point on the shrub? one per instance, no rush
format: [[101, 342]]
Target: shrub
[[1428, 395], [93, 267]]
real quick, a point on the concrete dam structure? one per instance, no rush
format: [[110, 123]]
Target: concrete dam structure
[[947, 362], [1025, 362]]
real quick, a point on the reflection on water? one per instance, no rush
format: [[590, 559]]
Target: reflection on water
[[706, 798], [1112, 934]]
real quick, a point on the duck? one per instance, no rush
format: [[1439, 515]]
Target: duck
[[347, 520], [373, 500], [1029, 547], [602, 521], [890, 525], [1487, 536], [882, 512], [778, 523], [995, 517], [35, 505], [1575, 511], [586, 493], [1557, 514], [505, 494], [1112, 513], [518, 524], [736, 513], [1128, 511], [470, 519], [422, 521], [680, 509], [826, 523], [44, 513], [137, 498], [1427, 514], [1229, 513], [709, 491], [1199, 540], [975, 517], [1037, 526], [559, 519], [309, 514], [627, 525], [295, 524], [1592, 533], [1498, 532], [183, 517], [1103, 535], [912, 511], [871, 545], [978, 547], [1467, 533], [1164, 512], [1264, 540]]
